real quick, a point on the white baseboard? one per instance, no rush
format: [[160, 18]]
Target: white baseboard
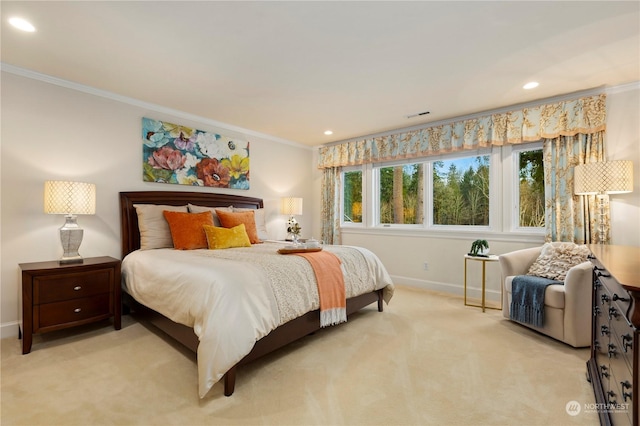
[[457, 289], [9, 329]]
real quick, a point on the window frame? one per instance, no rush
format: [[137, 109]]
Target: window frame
[[503, 193], [514, 213]]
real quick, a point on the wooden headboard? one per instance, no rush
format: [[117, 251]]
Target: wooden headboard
[[129, 217]]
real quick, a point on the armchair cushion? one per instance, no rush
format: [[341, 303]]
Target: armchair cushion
[[556, 259]]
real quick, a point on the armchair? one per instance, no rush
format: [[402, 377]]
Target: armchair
[[567, 308]]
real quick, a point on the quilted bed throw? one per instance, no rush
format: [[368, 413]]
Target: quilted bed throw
[[333, 301]]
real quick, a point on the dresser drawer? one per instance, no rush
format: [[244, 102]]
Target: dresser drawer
[[61, 313], [53, 288]]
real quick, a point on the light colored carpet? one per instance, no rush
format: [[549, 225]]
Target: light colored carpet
[[427, 360]]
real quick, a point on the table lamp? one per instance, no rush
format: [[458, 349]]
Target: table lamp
[[70, 199], [292, 206], [602, 179]]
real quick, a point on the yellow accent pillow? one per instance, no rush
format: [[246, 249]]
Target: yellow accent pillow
[[230, 219], [221, 238], [186, 229]]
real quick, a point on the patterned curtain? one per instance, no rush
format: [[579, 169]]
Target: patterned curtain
[[584, 115], [570, 217], [572, 131], [331, 205]]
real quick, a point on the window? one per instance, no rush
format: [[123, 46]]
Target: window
[[461, 191], [352, 196], [530, 189], [500, 189], [401, 192]]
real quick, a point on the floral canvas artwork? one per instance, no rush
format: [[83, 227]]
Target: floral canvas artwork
[[180, 155]]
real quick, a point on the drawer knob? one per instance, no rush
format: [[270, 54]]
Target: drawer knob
[[613, 313], [611, 397], [604, 298], [596, 311], [77, 310], [604, 330], [77, 288]]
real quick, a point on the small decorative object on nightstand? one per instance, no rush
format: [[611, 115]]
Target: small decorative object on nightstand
[[479, 248], [292, 206], [57, 296]]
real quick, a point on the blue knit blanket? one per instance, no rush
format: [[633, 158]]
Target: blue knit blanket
[[527, 299]]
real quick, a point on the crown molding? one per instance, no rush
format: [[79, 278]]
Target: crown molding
[[23, 72]]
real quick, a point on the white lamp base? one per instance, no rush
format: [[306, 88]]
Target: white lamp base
[[71, 238]]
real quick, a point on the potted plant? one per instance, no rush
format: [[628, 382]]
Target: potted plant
[[479, 248]]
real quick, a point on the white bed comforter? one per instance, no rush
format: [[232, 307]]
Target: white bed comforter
[[234, 297]]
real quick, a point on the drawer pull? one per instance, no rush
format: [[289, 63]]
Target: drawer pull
[[604, 330], [77, 288], [603, 274], [616, 297], [627, 342], [603, 371], [626, 385], [613, 313], [596, 311], [612, 350], [611, 397], [604, 298], [77, 310]]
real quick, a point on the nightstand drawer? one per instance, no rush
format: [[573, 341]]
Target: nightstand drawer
[[69, 311], [47, 289]]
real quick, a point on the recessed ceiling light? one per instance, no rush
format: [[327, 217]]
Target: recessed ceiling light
[[531, 85], [328, 132], [22, 24]]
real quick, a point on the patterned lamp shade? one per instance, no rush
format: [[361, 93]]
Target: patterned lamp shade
[[291, 206], [71, 198], [612, 177]]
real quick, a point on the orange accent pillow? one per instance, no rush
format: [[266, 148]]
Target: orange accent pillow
[[222, 238], [230, 219], [187, 229]]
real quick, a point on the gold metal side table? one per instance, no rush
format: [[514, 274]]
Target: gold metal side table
[[484, 260]]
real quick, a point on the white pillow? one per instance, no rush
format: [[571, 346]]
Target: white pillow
[[154, 229], [557, 258], [201, 209]]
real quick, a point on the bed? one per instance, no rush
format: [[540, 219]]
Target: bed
[[211, 332]]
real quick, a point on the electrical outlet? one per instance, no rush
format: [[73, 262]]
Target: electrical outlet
[[425, 266]]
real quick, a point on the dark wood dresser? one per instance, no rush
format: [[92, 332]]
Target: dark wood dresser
[[56, 296], [613, 365]]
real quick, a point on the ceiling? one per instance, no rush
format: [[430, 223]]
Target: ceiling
[[295, 69]]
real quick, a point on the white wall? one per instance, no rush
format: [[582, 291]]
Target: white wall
[[405, 253], [54, 132]]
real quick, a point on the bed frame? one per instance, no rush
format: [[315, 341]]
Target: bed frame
[[281, 336]]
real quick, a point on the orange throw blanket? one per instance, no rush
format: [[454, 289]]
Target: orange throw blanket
[[333, 301]]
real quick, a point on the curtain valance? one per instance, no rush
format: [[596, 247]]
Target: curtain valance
[[567, 118]]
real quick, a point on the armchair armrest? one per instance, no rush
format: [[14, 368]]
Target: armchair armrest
[[578, 305], [518, 262]]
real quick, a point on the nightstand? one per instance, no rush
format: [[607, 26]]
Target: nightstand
[[56, 296]]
